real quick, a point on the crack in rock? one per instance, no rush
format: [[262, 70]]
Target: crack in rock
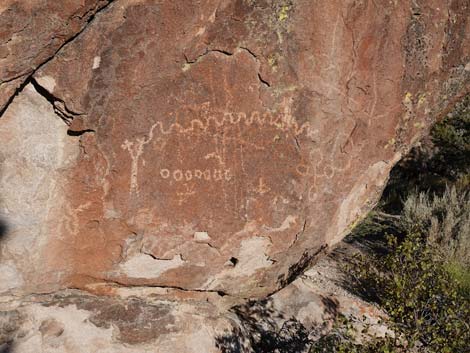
[[208, 51], [60, 108], [29, 76], [119, 284]]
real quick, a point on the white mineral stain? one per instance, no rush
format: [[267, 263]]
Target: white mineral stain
[[252, 256], [201, 237], [145, 266], [286, 224], [9, 277], [34, 149], [96, 62]]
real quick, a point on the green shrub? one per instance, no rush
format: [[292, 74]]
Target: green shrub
[[445, 220], [461, 275], [423, 280], [451, 136], [437, 161], [421, 298]]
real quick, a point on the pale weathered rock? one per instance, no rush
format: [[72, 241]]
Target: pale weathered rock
[[144, 319], [209, 148], [35, 151]]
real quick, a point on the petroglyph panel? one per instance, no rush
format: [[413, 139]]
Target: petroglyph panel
[[207, 159], [266, 137], [219, 133]]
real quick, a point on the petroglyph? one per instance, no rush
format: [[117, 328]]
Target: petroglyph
[[184, 195], [262, 187], [283, 121], [196, 174], [195, 121], [135, 150]]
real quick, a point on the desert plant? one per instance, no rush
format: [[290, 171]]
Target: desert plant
[[451, 136], [421, 275], [445, 220], [441, 159], [419, 295]]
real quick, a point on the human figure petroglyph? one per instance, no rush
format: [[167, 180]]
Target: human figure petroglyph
[[215, 156], [135, 150], [71, 222], [184, 195]]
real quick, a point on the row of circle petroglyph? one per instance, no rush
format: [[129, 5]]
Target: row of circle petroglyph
[[187, 175]]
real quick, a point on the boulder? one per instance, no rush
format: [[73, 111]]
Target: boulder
[[214, 146]]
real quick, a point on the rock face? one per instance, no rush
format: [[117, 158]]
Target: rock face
[[135, 320], [207, 146], [32, 31], [173, 158]]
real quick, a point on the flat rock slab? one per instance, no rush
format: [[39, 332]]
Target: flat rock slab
[[208, 146], [144, 319]]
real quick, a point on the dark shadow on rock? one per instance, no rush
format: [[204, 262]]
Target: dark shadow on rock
[[10, 323], [260, 329], [6, 348], [331, 306], [370, 236], [296, 270], [367, 243], [3, 231]]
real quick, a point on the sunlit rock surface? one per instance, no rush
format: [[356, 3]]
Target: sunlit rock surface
[[214, 147]]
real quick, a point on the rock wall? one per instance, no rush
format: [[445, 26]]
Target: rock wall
[[207, 146]]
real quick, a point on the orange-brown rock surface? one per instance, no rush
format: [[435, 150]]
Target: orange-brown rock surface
[[213, 145], [207, 146], [32, 31]]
